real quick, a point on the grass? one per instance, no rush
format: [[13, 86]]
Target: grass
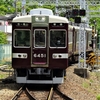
[[91, 81], [98, 97], [86, 84], [92, 84], [98, 75], [2, 76], [5, 62]]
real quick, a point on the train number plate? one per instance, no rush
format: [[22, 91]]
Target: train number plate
[[39, 55]]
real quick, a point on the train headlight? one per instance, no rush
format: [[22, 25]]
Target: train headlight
[[43, 18], [36, 19], [40, 19]]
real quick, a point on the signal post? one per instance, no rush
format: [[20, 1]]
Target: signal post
[[81, 70]]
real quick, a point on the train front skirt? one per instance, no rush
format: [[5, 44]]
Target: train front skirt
[[40, 76]]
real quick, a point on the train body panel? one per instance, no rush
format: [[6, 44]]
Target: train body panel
[[21, 58], [43, 47]]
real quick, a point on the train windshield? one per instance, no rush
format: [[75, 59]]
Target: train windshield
[[57, 38], [40, 38], [22, 38]]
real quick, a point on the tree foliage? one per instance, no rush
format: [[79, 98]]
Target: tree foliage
[[6, 7], [97, 19], [3, 38], [12, 6]]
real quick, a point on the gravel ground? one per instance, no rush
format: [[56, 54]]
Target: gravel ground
[[7, 91], [74, 86], [80, 88]]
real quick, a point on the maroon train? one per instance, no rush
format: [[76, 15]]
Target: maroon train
[[40, 47]]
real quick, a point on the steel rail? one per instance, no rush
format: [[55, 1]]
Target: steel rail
[[62, 95], [50, 94], [29, 95], [15, 97]]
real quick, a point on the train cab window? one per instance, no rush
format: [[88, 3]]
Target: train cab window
[[57, 38], [40, 38], [22, 38]]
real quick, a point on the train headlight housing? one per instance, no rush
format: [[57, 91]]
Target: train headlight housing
[[40, 19]]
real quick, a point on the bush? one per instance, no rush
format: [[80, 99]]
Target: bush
[[98, 97], [3, 38]]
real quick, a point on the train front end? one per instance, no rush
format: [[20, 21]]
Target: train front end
[[40, 49]]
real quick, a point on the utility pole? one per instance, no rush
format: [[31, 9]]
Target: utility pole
[[15, 4], [82, 4], [82, 41], [56, 8], [23, 10], [81, 70]]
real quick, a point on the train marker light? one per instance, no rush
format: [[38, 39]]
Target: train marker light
[[61, 24], [54, 24], [23, 24], [77, 19], [75, 12], [82, 12]]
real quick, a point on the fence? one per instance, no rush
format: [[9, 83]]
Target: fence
[[5, 53], [6, 70]]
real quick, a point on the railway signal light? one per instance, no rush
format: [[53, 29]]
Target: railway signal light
[[82, 12], [77, 19], [75, 12]]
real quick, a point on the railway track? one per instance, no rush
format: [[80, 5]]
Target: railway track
[[23, 94], [56, 94], [52, 94]]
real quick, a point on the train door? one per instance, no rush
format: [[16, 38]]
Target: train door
[[40, 47]]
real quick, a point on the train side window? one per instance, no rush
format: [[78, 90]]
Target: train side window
[[57, 38], [39, 38], [22, 38]]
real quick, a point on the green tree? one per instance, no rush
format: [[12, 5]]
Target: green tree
[[3, 38]]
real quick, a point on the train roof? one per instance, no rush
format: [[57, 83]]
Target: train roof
[[41, 11], [52, 19]]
